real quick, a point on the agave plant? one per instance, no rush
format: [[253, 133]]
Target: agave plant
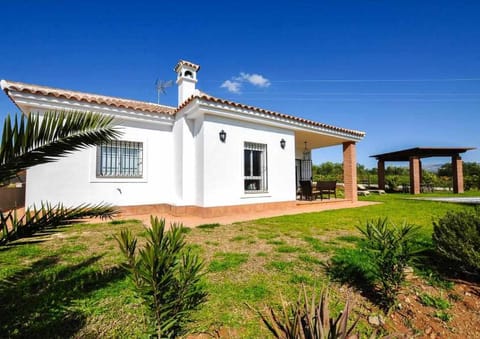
[[308, 319]]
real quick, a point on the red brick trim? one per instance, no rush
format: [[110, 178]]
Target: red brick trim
[[204, 212]]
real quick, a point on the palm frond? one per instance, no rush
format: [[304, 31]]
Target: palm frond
[[33, 139], [48, 216]]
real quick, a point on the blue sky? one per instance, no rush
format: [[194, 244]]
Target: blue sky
[[406, 72]]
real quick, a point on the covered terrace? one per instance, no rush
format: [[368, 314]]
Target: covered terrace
[[308, 140], [414, 156]]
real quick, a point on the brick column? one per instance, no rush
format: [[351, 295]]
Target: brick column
[[381, 174], [457, 174], [414, 175], [350, 171], [420, 171]]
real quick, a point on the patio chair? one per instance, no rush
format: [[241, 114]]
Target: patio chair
[[327, 187], [307, 190]]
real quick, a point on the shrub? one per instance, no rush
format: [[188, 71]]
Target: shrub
[[391, 249], [392, 182], [166, 275], [456, 237], [308, 318]]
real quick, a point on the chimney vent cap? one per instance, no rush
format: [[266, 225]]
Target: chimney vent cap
[[186, 64]]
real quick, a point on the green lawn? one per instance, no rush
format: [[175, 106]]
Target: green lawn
[[67, 282]]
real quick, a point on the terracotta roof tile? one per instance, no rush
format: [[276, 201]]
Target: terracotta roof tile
[[87, 97], [155, 108], [207, 97]]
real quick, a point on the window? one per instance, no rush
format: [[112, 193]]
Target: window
[[255, 167], [120, 159]]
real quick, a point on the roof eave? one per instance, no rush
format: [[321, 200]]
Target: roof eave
[[51, 103], [12, 86], [250, 113]]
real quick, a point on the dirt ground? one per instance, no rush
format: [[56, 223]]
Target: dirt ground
[[414, 320], [417, 320]]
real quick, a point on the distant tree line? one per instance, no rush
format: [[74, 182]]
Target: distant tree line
[[396, 175], [471, 174]]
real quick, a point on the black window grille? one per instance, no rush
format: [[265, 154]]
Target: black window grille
[[120, 159]]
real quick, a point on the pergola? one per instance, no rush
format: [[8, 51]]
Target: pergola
[[414, 156]]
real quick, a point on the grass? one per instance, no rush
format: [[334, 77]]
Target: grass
[[349, 238], [442, 315], [434, 279], [301, 279], [317, 244], [68, 282], [208, 226], [52, 286], [227, 261], [276, 242], [288, 249], [440, 305], [306, 258], [281, 266], [239, 238], [433, 301]]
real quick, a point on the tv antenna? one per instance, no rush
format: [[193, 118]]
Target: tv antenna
[[161, 87]]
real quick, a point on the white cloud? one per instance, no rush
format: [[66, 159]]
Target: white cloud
[[235, 85], [254, 79], [232, 86]]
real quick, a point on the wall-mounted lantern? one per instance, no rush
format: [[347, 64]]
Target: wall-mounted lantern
[[282, 143], [222, 135]]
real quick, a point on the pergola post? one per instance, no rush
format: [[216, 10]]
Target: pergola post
[[350, 171], [457, 174], [420, 173], [381, 174], [414, 175]]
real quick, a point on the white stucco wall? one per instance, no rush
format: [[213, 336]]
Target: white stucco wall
[[185, 165], [72, 180], [187, 159], [223, 168]]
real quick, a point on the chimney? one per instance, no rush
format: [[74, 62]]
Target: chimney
[[186, 80]]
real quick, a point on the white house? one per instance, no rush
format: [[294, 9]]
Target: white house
[[207, 156]]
